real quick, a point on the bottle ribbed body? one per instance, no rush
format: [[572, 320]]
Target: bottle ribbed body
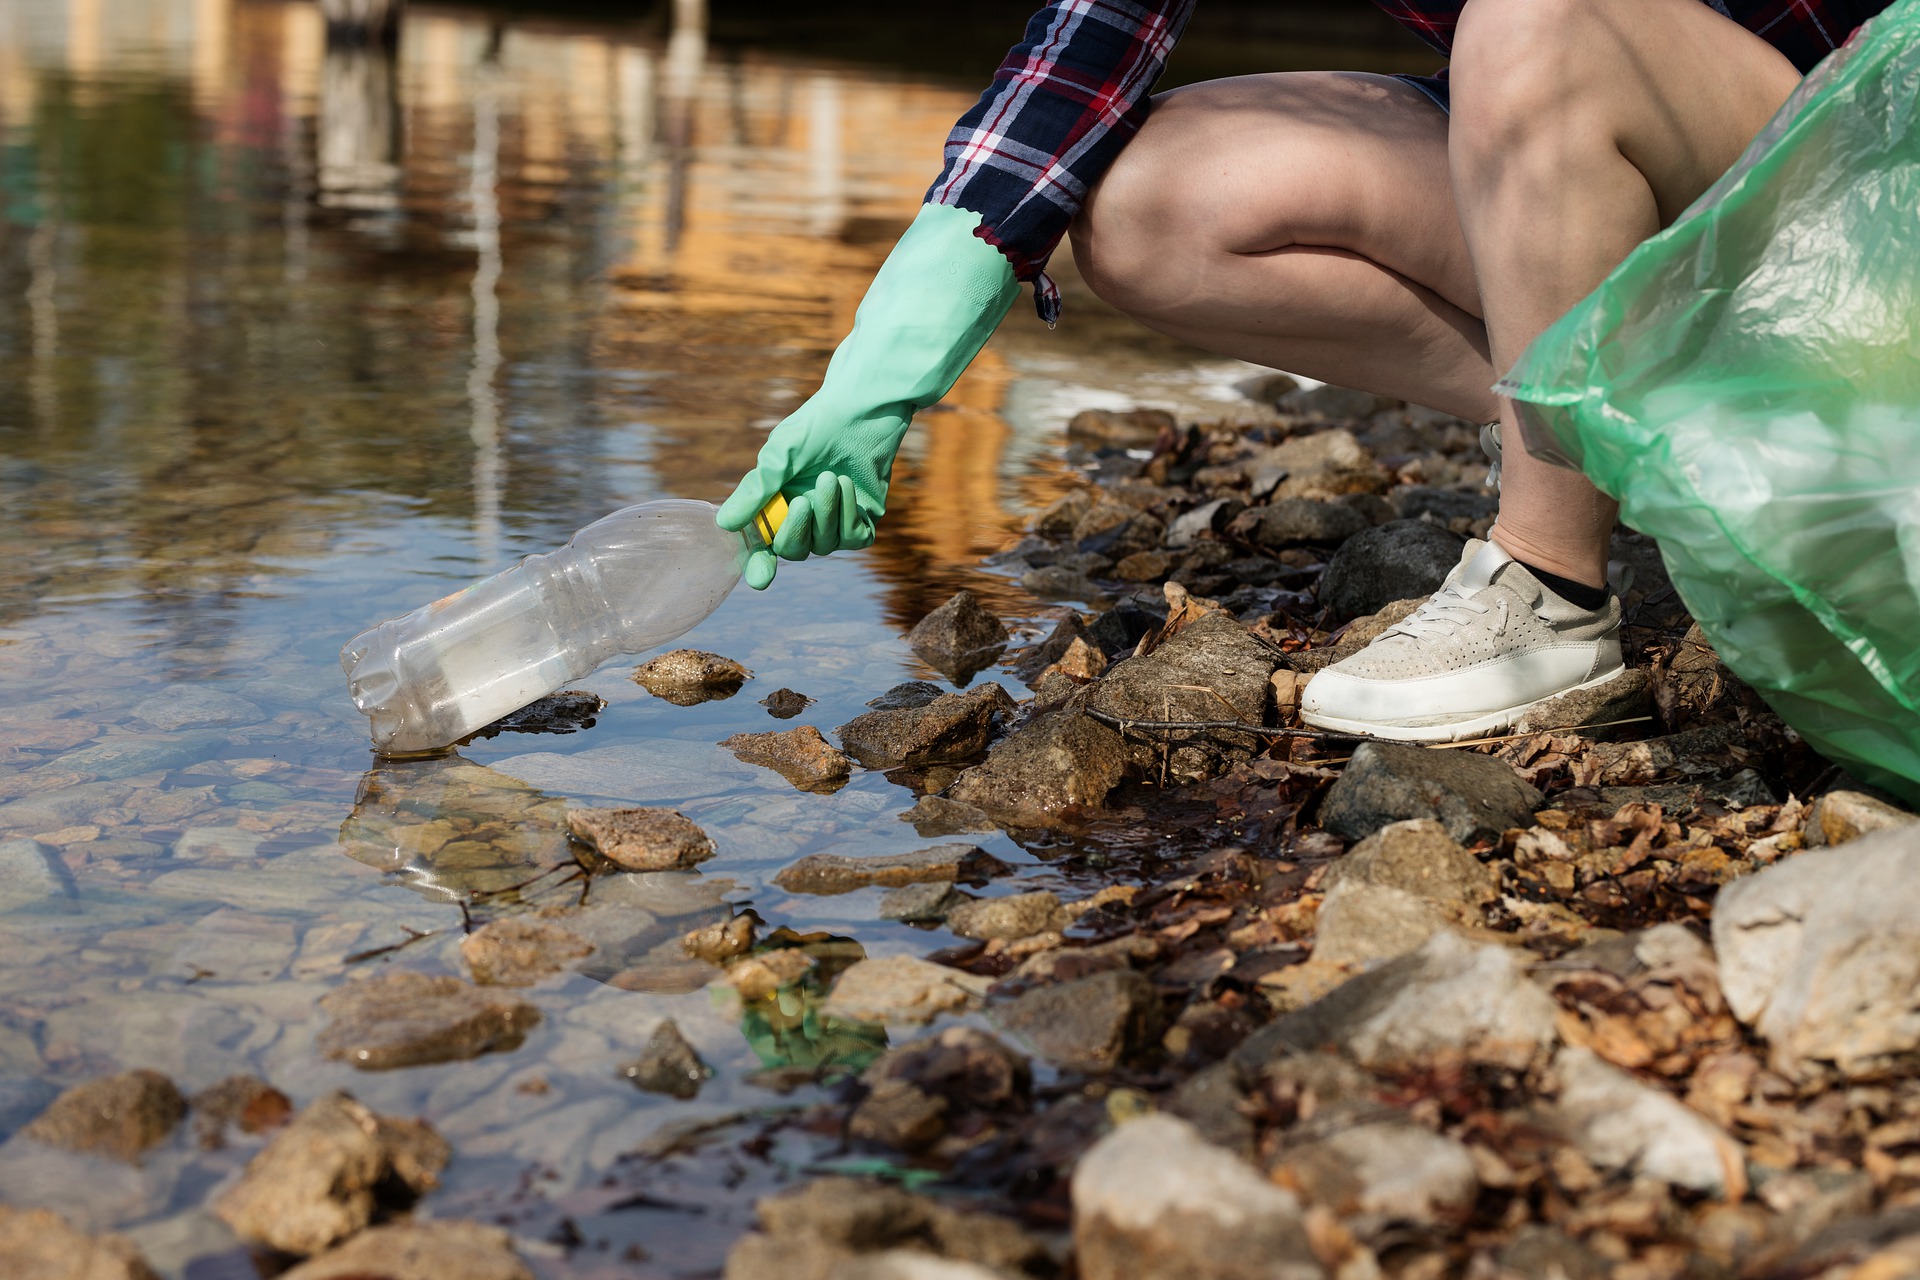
[[624, 584]]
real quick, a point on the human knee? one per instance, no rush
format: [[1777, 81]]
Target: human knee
[[1135, 222]]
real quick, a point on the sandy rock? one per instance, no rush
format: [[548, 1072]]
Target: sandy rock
[[1625, 1126], [951, 728], [933, 816], [409, 1019], [1036, 659], [1389, 1171], [686, 677], [901, 989], [1396, 561], [1820, 954], [827, 1228], [1089, 1025], [1292, 521], [1020, 915], [419, 1250], [39, 1244], [1420, 858], [909, 693], [1055, 767], [830, 873], [1121, 428], [1155, 1201], [239, 1102], [518, 952], [759, 976], [785, 704], [1325, 464], [642, 839], [959, 638], [720, 941], [1360, 923], [669, 1064], [1625, 697], [323, 1178], [1474, 797], [1082, 662], [920, 903], [1450, 1000], [1210, 670], [800, 755], [1840, 816], [115, 1116]]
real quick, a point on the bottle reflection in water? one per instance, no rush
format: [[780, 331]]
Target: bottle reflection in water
[[623, 584]]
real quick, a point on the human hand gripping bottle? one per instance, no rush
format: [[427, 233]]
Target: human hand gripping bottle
[[624, 584]]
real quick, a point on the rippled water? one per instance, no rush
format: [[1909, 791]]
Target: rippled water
[[298, 338]]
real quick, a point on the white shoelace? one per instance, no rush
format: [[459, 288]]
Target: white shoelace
[[1445, 613]]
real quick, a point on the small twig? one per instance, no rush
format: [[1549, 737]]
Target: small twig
[[1125, 724], [413, 936], [1517, 737]]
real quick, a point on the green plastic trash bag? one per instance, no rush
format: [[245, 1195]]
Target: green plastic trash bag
[[1747, 385]]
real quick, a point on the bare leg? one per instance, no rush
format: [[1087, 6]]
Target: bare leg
[[1580, 128]]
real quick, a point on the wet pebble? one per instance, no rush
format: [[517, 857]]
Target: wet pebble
[[901, 989], [407, 1019], [911, 693], [1091, 1024], [117, 1116], [245, 1103], [801, 755], [721, 941], [419, 1250], [642, 839], [832, 873], [938, 816], [959, 638], [668, 1064], [518, 952], [758, 976], [1020, 915], [920, 903], [687, 677], [953, 727], [785, 704]]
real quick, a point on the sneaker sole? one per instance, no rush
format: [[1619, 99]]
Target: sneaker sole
[[1453, 731]]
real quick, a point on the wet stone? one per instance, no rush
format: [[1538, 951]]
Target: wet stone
[[427, 1249], [1020, 915], [329, 1173], [959, 638], [39, 1244], [920, 903], [756, 977], [1397, 561], [116, 1116], [668, 1064], [934, 816], [1089, 1025], [785, 704], [720, 941], [568, 711], [642, 839], [195, 706], [410, 1019], [1120, 428], [800, 755], [125, 756], [1210, 670], [517, 952], [901, 989], [245, 1103], [1054, 768], [911, 693], [831, 873], [687, 677], [951, 728], [1473, 797], [29, 875]]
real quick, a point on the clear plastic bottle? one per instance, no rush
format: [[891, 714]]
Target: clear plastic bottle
[[623, 584]]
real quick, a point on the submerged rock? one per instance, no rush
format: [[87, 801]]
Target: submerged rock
[[669, 1064], [938, 816], [642, 839], [408, 1019], [1474, 797], [30, 874], [1056, 767], [1390, 562], [901, 989], [831, 873], [920, 903], [427, 1249], [800, 755], [687, 677], [1211, 670], [1155, 1201], [950, 728], [39, 1244], [518, 952], [1090, 1025], [115, 1116], [959, 638], [329, 1173], [720, 941], [910, 693]]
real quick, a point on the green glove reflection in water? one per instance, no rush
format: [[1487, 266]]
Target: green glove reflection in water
[[935, 301]]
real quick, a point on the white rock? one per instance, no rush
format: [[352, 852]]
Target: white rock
[[1622, 1124], [1391, 1170], [901, 989]]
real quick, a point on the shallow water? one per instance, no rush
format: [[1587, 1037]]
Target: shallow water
[[300, 339]]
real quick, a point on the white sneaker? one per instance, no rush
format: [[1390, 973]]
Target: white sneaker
[[1491, 643]]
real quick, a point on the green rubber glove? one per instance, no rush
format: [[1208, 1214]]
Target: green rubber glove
[[930, 309]]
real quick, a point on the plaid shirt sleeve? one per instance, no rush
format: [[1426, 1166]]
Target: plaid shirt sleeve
[[1063, 103]]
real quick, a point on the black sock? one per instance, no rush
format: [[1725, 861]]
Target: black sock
[[1574, 593]]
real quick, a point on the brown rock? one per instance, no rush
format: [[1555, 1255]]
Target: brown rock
[[1420, 858], [642, 839], [518, 952], [419, 1250], [243, 1102], [1840, 816], [842, 1227], [1019, 916], [901, 989], [951, 728], [407, 1019], [799, 755], [1143, 566], [1211, 670], [722, 940], [785, 704], [324, 1177], [1082, 661], [39, 1244], [669, 1064], [831, 873], [959, 638], [916, 1090], [1060, 515], [1325, 464], [1124, 429], [1032, 661], [759, 976], [115, 1116], [1089, 1025], [685, 677], [1056, 767]]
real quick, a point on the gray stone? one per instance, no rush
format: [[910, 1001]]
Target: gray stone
[[1153, 1200], [1840, 816], [1396, 561], [1628, 696], [1820, 954], [217, 844], [901, 989], [128, 755], [1339, 403], [920, 903], [800, 755], [938, 816], [1420, 858], [195, 706], [1059, 583], [408, 1019], [1414, 501], [1390, 1171], [39, 1244], [1056, 767], [1474, 797], [1292, 521], [912, 693], [1020, 915], [687, 677], [1089, 1025], [1624, 1126], [424, 1249], [959, 638], [1325, 464], [642, 839], [517, 952], [115, 1116], [1210, 670], [29, 874], [1741, 791], [951, 728], [1211, 1100], [830, 873], [668, 1064], [1360, 923]]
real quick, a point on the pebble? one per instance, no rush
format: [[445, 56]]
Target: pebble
[[951, 728], [117, 1116], [722, 940], [901, 989], [39, 1244], [1323, 464], [912, 693], [959, 638], [933, 816], [800, 755], [128, 755], [1360, 923], [1474, 797], [920, 903], [687, 677], [785, 704], [1020, 915], [642, 839], [518, 952], [668, 1064], [427, 1249], [1091, 1025], [407, 1019], [760, 976], [832, 873], [1395, 561]]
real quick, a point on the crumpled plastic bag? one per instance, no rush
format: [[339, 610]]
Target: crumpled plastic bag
[[1747, 385]]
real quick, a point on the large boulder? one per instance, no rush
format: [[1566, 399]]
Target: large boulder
[[1395, 561], [1211, 670], [1473, 797], [1056, 767]]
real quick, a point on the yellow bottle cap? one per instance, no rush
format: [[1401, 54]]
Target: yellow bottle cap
[[771, 517]]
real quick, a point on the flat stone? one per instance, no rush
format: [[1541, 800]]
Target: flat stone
[[1057, 767], [1293, 521], [1360, 923], [1388, 1171], [30, 875], [115, 1116], [1089, 1025], [1625, 1126], [668, 1064], [959, 638], [1396, 561], [901, 989], [934, 816], [1121, 428], [321, 1178], [1210, 670], [830, 873], [642, 839], [800, 755], [953, 727], [1020, 915], [910, 693], [1840, 816], [1628, 696], [424, 1249], [39, 1244], [785, 704], [196, 706], [1474, 797], [1420, 858], [1153, 1200], [515, 951], [920, 903], [408, 1019], [687, 677], [62, 806], [128, 755]]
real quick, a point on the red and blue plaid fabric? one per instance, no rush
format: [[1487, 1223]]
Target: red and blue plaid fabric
[[1074, 90]]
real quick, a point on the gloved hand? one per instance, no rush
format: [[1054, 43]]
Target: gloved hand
[[930, 309]]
